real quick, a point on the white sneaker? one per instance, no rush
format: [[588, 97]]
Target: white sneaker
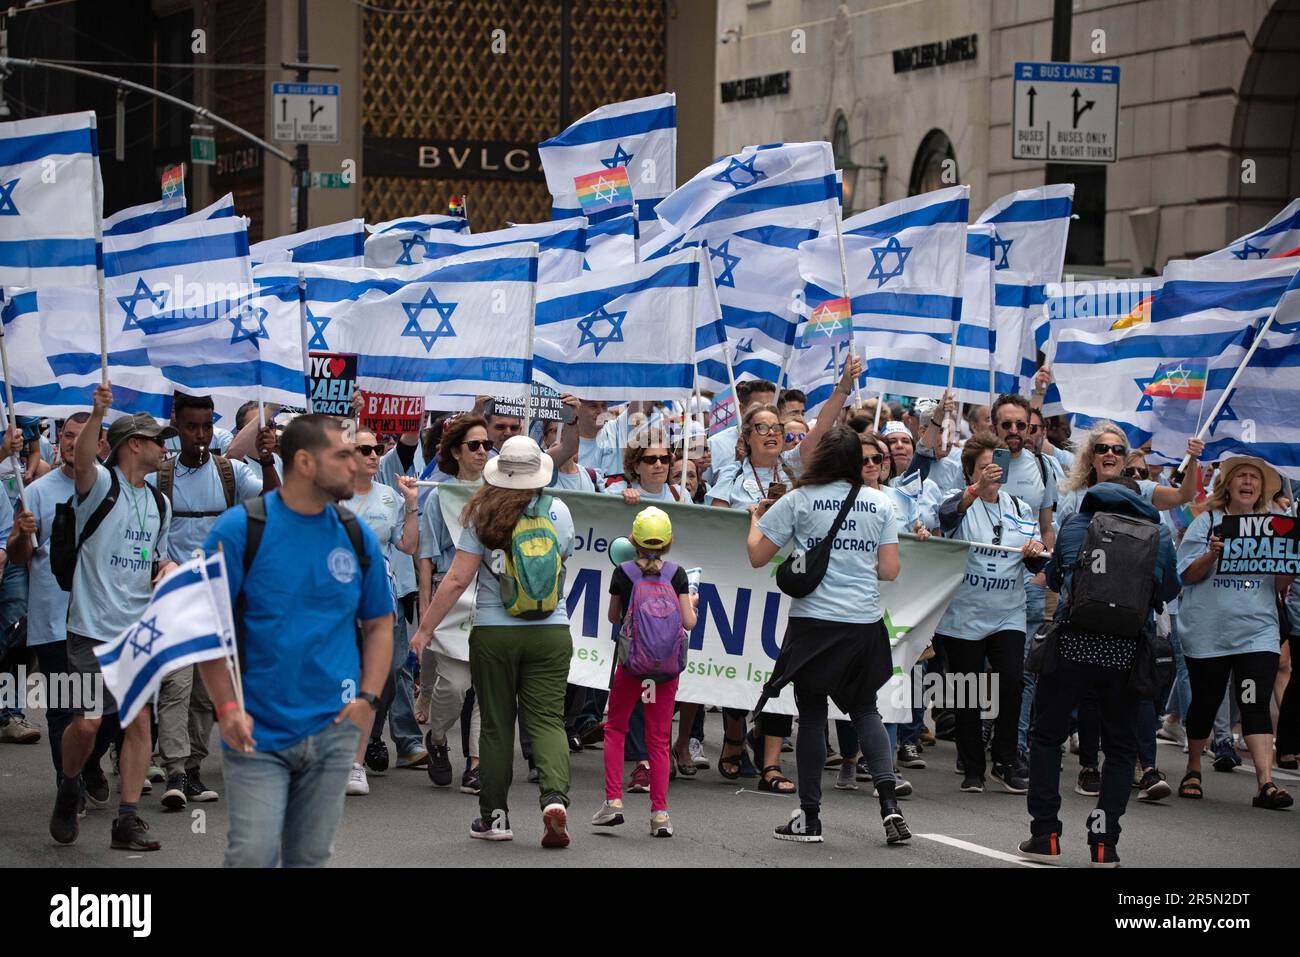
[[1074, 743], [660, 825], [1171, 729], [357, 783], [696, 747], [610, 814], [19, 731]]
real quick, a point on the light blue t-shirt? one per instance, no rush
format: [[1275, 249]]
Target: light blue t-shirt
[[722, 449], [578, 481], [47, 603], [1031, 482], [7, 519], [946, 472], [1223, 614], [1293, 609], [490, 612], [221, 439], [600, 454], [991, 596], [923, 498], [850, 591], [114, 577], [665, 494], [742, 484], [435, 537], [384, 512], [199, 490], [304, 593]]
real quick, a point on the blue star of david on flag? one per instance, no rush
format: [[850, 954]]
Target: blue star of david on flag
[[7, 207], [318, 324], [415, 330], [243, 319], [615, 321], [729, 262], [1247, 251], [1225, 414], [747, 168], [892, 247], [143, 636], [142, 293], [407, 245], [1002, 246], [1144, 403], [620, 158], [745, 345]]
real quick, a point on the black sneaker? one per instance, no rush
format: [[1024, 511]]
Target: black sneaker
[[130, 833], [196, 790], [1042, 847], [1103, 855], [945, 725], [1089, 782], [488, 831], [972, 784], [65, 822], [799, 829], [896, 829], [575, 742], [439, 767], [1153, 786], [95, 783], [469, 781], [909, 756], [863, 771], [1225, 756], [173, 798], [1010, 779], [377, 756]]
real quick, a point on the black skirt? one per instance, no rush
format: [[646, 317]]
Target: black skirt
[[847, 662]]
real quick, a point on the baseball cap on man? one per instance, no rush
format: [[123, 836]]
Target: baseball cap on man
[[143, 425]]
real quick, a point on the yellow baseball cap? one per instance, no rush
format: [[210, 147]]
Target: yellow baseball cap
[[652, 528]]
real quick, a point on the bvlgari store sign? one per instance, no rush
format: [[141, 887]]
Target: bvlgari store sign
[[451, 159]]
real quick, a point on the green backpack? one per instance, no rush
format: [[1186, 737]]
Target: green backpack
[[530, 578]]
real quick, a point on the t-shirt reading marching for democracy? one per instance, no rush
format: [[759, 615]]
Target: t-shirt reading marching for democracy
[[114, 577], [302, 597], [849, 592]]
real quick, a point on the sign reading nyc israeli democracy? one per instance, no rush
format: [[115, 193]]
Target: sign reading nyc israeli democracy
[[1259, 545]]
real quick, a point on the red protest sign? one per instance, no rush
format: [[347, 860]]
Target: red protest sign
[[386, 414]]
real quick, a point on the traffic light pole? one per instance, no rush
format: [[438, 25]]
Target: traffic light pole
[[301, 163]]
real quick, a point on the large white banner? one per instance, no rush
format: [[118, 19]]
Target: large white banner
[[742, 614]]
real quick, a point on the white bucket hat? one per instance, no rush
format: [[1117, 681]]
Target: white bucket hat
[[521, 465]]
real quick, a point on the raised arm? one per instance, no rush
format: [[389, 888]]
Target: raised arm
[[83, 456], [830, 411]]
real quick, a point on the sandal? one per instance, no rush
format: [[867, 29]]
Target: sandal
[[1272, 797], [775, 784], [732, 761], [685, 768], [1190, 786], [1288, 762]]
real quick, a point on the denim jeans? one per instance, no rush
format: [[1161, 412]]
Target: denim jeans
[[1035, 613], [398, 702], [1146, 733], [13, 626], [285, 805], [1180, 695]]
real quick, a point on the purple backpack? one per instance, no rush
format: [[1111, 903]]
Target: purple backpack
[[652, 642]]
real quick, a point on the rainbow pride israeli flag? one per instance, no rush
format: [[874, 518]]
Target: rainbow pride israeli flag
[[1184, 379], [604, 194]]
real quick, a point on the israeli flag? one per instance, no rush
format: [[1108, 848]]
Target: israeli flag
[[464, 327], [51, 201], [145, 216], [787, 184], [562, 245], [1278, 236], [622, 334], [906, 262], [1259, 415], [640, 135], [221, 209], [188, 620], [1243, 292], [423, 223], [341, 244], [611, 243], [1030, 229]]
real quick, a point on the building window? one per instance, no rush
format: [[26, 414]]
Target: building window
[[928, 167]]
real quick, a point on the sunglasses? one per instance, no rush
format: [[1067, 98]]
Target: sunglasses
[[1034, 429], [997, 535], [1101, 448], [477, 445], [657, 459], [796, 436], [368, 450], [1016, 426], [873, 459], [1137, 473], [764, 428]]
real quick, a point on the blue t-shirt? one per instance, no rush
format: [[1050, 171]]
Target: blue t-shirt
[[303, 596], [1223, 614], [849, 592]]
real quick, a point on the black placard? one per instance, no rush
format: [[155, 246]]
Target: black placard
[[1259, 545]]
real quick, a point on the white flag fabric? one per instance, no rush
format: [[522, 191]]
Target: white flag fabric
[[51, 201], [628, 333], [1279, 235], [339, 244], [561, 244], [188, 621], [422, 223], [145, 216], [611, 243]]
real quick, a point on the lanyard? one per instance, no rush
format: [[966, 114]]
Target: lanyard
[[140, 518]]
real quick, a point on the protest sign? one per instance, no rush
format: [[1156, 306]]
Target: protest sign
[[386, 414], [1259, 545], [332, 380], [543, 404]]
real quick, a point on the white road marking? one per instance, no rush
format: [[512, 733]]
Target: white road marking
[[1277, 772], [979, 849]]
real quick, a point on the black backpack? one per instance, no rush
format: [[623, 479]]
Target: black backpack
[[65, 546], [1113, 577], [255, 515]]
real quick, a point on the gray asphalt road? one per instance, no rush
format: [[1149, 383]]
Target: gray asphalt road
[[404, 821]]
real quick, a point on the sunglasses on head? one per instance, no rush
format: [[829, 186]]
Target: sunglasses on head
[[657, 459], [367, 450], [796, 436], [764, 428], [1009, 425], [477, 445], [1101, 448]]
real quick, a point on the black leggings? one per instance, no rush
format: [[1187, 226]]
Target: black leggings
[[1254, 673]]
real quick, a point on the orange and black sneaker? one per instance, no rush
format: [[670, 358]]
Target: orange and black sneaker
[[1104, 855], [1042, 847]]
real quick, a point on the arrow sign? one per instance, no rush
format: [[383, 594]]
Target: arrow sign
[[313, 109], [1031, 93], [1077, 111]]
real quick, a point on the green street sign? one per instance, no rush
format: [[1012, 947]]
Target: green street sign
[[203, 150], [329, 181]]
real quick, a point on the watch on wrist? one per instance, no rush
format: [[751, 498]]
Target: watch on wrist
[[370, 699]]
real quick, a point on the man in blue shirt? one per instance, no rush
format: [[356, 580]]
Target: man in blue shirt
[[306, 680]]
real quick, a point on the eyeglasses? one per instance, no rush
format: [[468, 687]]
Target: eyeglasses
[[997, 535], [157, 440], [1009, 425], [477, 445], [873, 459], [1137, 473], [796, 436], [764, 428], [1101, 448], [657, 459], [367, 450], [1034, 429]]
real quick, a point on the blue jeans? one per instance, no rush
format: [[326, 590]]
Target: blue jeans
[[285, 805], [1035, 613], [1180, 695], [910, 733], [13, 626], [398, 702]]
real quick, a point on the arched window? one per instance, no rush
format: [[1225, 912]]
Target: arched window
[[928, 167]]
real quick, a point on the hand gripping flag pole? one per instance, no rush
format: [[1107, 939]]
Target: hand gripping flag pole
[[848, 297], [226, 624]]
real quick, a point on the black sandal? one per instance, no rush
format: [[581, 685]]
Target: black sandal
[[732, 761], [686, 769], [773, 784], [1190, 786], [1272, 798]]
